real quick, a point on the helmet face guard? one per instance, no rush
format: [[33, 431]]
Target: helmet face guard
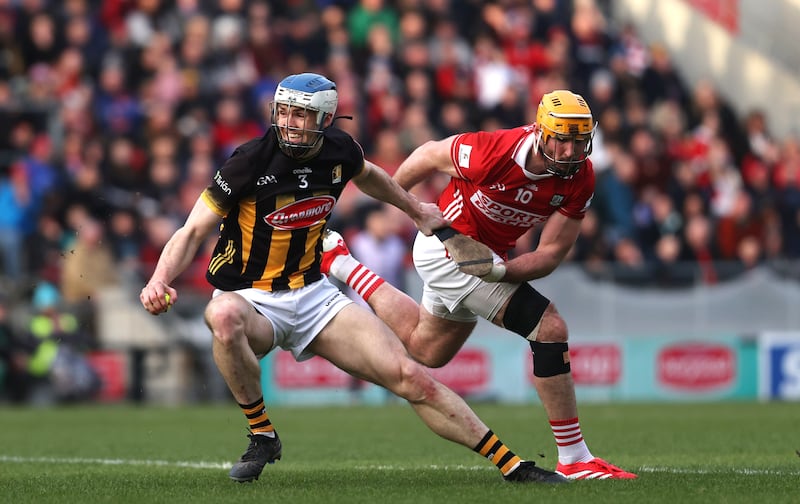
[[565, 117], [308, 96]]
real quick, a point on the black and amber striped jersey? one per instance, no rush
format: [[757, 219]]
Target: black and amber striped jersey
[[274, 211]]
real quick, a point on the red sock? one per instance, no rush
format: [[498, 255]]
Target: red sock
[[364, 281]]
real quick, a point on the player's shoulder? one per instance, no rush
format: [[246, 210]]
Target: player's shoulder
[[256, 147], [496, 139], [340, 137], [340, 144], [252, 144]]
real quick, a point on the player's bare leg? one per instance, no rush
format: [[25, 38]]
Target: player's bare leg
[[434, 341], [240, 335], [431, 340], [556, 389], [362, 345]]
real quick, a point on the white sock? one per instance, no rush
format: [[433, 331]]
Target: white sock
[[571, 446], [342, 267]]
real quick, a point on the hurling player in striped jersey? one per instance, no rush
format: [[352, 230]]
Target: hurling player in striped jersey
[[502, 184], [268, 206]]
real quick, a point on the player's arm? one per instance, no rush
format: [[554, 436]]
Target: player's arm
[[374, 181], [177, 255], [557, 237], [424, 161], [472, 257]]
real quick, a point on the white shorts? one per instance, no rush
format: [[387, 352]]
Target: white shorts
[[297, 315], [451, 294]]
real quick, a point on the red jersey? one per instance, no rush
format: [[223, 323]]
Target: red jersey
[[496, 201]]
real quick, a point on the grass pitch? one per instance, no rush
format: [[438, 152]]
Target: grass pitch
[[705, 453]]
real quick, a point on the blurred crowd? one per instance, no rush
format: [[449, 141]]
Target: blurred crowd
[[114, 115]]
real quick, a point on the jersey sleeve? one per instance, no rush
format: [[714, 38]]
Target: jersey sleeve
[[358, 159], [230, 183], [474, 154]]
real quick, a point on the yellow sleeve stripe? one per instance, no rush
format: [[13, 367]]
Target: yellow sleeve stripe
[[212, 205]]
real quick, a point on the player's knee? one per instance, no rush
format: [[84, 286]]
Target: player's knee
[[550, 348], [550, 359], [225, 316], [413, 383], [430, 352], [553, 328]]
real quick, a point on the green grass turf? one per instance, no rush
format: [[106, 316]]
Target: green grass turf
[[723, 452]]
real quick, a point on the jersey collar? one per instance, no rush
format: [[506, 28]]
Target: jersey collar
[[521, 154]]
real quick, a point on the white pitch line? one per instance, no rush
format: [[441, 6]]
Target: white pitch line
[[740, 471], [459, 467], [130, 462], [645, 469]]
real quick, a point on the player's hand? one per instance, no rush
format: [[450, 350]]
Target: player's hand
[[157, 297], [430, 218]]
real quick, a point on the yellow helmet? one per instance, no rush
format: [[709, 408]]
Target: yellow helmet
[[565, 116]]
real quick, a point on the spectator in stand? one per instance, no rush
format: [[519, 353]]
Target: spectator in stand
[[418, 88], [758, 165], [451, 57], [125, 237], [388, 153], [13, 375], [740, 223], [787, 186], [590, 44], [668, 271], [382, 243], [83, 31], [365, 15], [89, 264], [56, 342], [591, 249], [549, 16], [491, 73], [117, 110], [615, 196], [15, 209], [527, 56], [660, 81], [707, 105], [40, 38], [510, 111], [453, 118], [231, 125], [698, 251]]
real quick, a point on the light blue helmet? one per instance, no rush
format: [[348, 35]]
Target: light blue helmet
[[308, 91]]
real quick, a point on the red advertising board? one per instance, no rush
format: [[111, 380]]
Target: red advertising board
[[696, 366], [469, 371], [595, 364]]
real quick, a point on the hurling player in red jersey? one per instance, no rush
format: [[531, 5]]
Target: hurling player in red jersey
[[502, 184], [273, 197]]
